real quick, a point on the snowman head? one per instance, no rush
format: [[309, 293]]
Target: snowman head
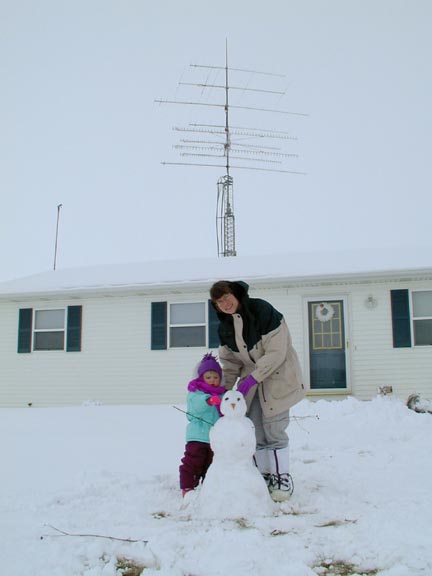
[[233, 404]]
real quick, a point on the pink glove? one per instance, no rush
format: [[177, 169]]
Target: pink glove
[[213, 401], [246, 384]]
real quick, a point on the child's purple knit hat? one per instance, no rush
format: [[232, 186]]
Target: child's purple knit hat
[[209, 362]]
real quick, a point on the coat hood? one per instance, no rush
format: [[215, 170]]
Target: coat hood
[[240, 289]]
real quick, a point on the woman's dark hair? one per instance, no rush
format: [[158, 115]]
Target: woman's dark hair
[[219, 289]]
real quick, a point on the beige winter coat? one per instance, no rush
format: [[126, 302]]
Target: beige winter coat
[[272, 361]]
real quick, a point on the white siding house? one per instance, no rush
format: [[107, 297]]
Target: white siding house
[[132, 333]]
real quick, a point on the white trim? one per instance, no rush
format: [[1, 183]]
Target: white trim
[[412, 319], [39, 330], [188, 325]]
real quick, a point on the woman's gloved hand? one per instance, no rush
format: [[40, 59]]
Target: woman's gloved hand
[[246, 384]]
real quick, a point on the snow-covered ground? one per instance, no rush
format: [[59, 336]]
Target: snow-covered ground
[[362, 502]]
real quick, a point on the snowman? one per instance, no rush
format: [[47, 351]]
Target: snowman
[[233, 486]]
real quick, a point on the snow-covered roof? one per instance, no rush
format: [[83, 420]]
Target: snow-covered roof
[[197, 273]]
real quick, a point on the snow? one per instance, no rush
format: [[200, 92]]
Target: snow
[[362, 495], [203, 271]]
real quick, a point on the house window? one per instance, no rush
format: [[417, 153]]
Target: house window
[[49, 329], [422, 317], [187, 325]]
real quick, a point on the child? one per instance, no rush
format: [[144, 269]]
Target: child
[[203, 401]]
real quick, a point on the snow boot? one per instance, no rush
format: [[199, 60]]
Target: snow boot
[[282, 487], [186, 490], [281, 484]]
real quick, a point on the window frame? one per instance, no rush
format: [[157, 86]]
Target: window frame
[[414, 319], [203, 325], [46, 330]]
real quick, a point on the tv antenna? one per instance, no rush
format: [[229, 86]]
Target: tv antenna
[[213, 143]]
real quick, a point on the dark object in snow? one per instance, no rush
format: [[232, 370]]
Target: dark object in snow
[[418, 404]]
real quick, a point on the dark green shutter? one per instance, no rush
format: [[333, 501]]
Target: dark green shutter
[[213, 325], [74, 316], [401, 322], [25, 330], [159, 326]]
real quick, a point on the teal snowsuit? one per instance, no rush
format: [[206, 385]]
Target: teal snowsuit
[[201, 417]]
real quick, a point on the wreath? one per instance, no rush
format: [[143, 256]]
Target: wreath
[[324, 312]]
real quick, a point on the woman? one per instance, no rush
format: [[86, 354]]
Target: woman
[[256, 347]]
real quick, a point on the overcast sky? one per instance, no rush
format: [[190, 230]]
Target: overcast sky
[[79, 127]]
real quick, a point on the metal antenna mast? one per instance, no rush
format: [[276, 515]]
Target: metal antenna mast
[[244, 152], [225, 219], [56, 236]]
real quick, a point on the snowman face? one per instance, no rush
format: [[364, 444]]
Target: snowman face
[[233, 404]]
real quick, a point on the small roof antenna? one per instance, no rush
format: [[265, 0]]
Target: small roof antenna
[[59, 206]]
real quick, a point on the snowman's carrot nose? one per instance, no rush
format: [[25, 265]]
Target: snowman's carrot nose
[[233, 406]]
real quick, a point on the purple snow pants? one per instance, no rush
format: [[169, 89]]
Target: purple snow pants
[[196, 460]]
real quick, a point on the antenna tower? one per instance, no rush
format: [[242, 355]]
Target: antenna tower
[[225, 141]]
